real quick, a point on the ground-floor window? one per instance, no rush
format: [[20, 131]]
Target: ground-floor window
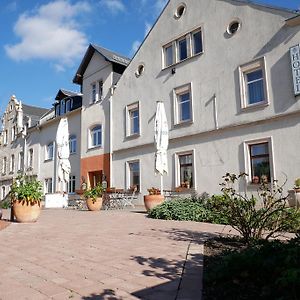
[[260, 162], [3, 193], [71, 186], [134, 174], [48, 186], [185, 170]]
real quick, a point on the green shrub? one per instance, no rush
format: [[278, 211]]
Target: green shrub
[[181, 210], [264, 270], [5, 204], [255, 223]]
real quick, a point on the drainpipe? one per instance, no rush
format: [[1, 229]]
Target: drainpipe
[[112, 89], [216, 112]]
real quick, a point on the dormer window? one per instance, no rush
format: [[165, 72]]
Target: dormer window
[[62, 107], [68, 105], [57, 110]]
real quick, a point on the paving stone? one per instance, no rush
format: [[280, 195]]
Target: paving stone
[[71, 254]]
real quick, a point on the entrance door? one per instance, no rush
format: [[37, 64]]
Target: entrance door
[[95, 178]]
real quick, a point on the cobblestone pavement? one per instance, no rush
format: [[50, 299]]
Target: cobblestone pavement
[[110, 255]]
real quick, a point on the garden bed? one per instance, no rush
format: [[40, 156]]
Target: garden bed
[[265, 270]]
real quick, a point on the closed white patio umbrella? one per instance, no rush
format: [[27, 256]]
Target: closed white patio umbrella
[[63, 153], [161, 141]]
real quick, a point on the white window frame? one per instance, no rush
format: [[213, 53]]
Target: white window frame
[[189, 37], [176, 93], [90, 136], [12, 163], [5, 136], [72, 184], [47, 181], [30, 158], [72, 141], [177, 167], [130, 108], [249, 68], [3, 192], [4, 165], [21, 161], [247, 158], [49, 155], [128, 173]]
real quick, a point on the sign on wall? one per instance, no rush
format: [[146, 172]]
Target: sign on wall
[[295, 59]]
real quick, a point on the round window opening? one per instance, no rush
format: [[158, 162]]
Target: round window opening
[[180, 11], [233, 27], [140, 70]]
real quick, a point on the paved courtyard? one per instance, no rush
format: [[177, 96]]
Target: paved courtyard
[[111, 255]]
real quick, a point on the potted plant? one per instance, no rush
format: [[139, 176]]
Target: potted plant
[[93, 197], [153, 199], [26, 195], [294, 195]]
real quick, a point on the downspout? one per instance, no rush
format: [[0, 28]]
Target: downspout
[[216, 112], [111, 132]]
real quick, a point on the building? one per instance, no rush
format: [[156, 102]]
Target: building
[[97, 75], [223, 70], [18, 121]]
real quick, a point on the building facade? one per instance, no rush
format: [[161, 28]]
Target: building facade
[[227, 86]]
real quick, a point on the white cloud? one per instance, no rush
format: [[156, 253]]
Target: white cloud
[[115, 6], [148, 27], [159, 5], [50, 32], [135, 47]]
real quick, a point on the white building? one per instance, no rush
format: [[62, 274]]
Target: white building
[[223, 70]]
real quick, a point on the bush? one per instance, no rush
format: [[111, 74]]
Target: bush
[[181, 210], [255, 223], [264, 270], [5, 204]]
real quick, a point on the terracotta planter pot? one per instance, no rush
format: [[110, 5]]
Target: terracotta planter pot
[[151, 201], [94, 204], [25, 212]]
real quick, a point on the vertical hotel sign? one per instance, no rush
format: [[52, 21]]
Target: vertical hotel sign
[[295, 59]]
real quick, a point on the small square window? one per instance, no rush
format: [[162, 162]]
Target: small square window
[[253, 84], [183, 104]]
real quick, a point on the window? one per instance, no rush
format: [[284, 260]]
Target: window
[[71, 187], [5, 137], [253, 83], [57, 110], [100, 90], [134, 174], [72, 144], [96, 136], [140, 70], [133, 119], [48, 186], [50, 151], [260, 162], [68, 105], [4, 164], [3, 192], [21, 161], [12, 163], [94, 93], [186, 46], [186, 170], [233, 27], [30, 158], [168, 55], [180, 11], [183, 104], [62, 107], [13, 133], [182, 49], [197, 42]]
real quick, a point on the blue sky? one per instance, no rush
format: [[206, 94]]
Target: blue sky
[[42, 42]]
